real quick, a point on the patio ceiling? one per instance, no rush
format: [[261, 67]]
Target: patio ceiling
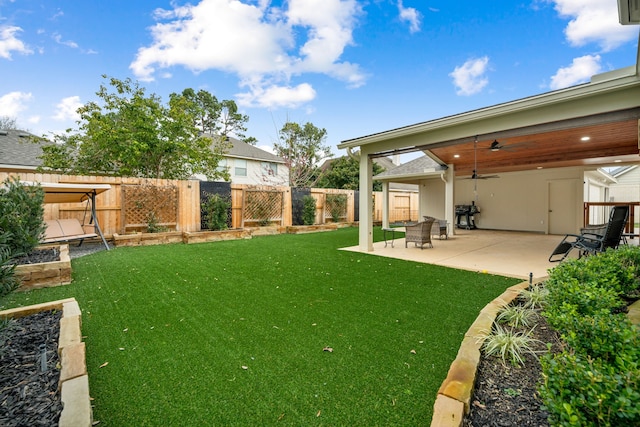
[[613, 140]]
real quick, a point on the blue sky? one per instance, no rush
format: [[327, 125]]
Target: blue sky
[[351, 67]]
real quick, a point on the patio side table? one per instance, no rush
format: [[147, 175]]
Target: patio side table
[[384, 235]]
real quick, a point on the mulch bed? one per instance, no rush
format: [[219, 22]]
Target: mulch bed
[[29, 396], [39, 256], [506, 395]]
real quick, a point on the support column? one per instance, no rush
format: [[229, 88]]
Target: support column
[[385, 204], [365, 232], [449, 198]]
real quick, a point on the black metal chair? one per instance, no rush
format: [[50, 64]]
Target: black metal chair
[[589, 243]]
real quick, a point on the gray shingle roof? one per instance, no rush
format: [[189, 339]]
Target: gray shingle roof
[[18, 150], [243, 150], [413, 167]]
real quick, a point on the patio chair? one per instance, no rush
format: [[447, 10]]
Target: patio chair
[[588, 242], [419, 233]]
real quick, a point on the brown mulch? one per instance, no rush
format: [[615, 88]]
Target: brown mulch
[[505, 395], [28, 395]]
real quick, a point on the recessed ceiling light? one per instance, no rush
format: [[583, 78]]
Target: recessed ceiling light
[[539, 167], [617, 161], [585, 138], [456, 156]]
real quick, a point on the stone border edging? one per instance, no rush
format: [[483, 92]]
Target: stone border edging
[[454, 395], [74, 379], [46, 274]]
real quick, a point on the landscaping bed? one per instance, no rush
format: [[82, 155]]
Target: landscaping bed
[[43, 375], [505, 394], [28, 395], [44, 267]]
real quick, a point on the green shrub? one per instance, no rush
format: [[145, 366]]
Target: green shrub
[[337, 206], [215, 212], [570, 298], [596, 379], [8, 281], [603, 336], [308, 210], [579, 391], [21, 216]]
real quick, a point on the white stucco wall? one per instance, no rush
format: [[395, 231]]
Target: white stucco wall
[[514, 201]]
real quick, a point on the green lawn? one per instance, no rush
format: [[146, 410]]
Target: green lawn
[[233, 333]]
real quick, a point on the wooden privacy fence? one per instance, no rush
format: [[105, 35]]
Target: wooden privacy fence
[[254, 206], [130, 203], [135, 204]]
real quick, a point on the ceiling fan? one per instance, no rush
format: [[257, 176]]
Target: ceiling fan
[[499, 146], [475, 175]]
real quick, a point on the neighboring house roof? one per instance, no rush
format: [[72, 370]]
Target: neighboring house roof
[[17, 150], [421, 166], [242, 150], [621, 170], [384, 162]]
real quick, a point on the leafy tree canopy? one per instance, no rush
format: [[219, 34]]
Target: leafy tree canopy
[[302, 148], [344, 173], [130, 133], [214, 117]]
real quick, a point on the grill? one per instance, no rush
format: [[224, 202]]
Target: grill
[[465, 216]]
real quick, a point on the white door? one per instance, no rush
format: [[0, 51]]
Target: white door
[[562, 206]]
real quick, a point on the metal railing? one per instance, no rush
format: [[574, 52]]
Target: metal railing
[[598, 213]]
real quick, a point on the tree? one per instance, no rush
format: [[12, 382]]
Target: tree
[[8, 123], [302, 148], [215, 117], [344, 173], [131, 133]]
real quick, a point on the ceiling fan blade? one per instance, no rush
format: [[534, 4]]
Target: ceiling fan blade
[[500, 146]]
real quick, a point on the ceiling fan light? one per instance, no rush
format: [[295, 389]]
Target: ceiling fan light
[[495, 145]]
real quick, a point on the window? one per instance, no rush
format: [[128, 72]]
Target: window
[[240, 167], [269, 169], [222, 166]]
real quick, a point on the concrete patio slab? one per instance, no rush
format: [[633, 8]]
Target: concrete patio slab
[[506, 253]]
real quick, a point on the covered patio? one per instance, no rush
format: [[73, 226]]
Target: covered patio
[[527, 163], [506, 253]]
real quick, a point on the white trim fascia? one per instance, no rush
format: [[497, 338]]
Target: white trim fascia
[[608, 82], [424, 175]]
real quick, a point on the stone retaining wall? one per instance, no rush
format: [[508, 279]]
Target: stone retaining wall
[[46, 274]]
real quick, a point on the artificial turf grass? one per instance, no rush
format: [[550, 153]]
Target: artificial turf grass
[[177, 323]]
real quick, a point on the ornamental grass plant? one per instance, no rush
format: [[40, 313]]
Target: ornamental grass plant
[[284, 329]]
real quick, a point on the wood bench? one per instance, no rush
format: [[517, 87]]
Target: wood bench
[[65, 230]]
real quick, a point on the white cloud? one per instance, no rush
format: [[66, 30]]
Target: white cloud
[[594, 21], [580, 71], [67, 109], [13, 103], [257, 42], [411, 15], [58, 39], [469, 78], [277, 96], [9, 42]]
